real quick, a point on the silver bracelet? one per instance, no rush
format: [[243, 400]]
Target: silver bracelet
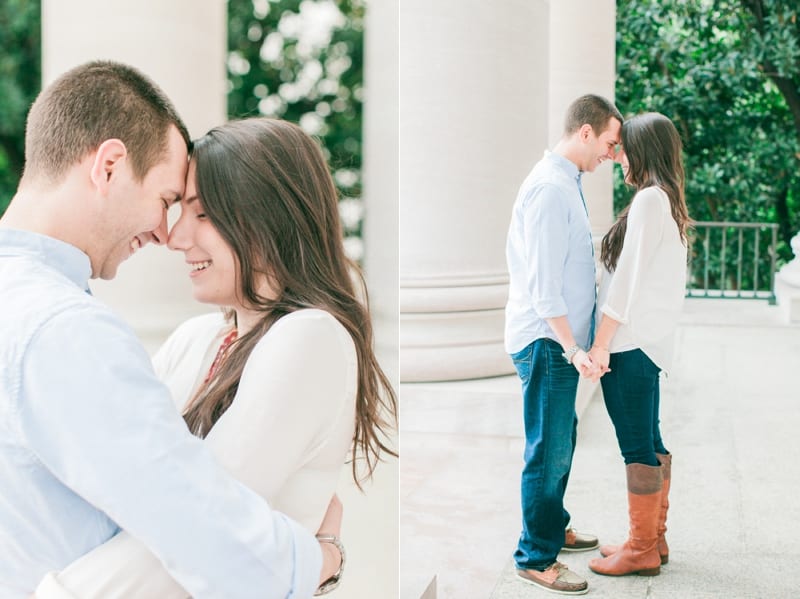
[[333, 581], [570, 353]]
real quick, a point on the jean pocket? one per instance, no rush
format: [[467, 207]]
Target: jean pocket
[[635, 363], [649, 367], [523, 362]]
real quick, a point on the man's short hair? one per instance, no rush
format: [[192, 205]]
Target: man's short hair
[[590, 110], [89, 104]]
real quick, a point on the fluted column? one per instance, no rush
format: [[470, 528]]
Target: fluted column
[[370, 526], [181, 45], [582, 60], [787, 285], [381, 170], [473, 120]]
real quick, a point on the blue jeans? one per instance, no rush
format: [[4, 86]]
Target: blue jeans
[[631, 394], [549, 386]]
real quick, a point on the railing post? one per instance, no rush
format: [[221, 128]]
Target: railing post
[[739, 264], [773, 256], [756, 255], [706, 245]]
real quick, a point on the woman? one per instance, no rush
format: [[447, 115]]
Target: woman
[[285, 382], [640, 299]]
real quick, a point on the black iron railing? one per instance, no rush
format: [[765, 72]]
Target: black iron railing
[[732, 260]]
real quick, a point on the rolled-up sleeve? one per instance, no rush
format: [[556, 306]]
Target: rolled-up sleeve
[[546, 230], [96, 416]]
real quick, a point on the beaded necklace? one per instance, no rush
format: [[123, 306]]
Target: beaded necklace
[[223, 349]]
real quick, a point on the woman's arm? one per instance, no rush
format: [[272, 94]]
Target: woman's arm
[[295, 405], [642, 238], [119, 568], [600, 349]]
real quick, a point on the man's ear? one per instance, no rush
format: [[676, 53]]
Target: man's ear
[[585, 132], [109, 157]]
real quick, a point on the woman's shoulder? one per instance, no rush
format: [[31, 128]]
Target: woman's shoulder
[[650, 200], [313, 329], [312, 320], [303, 342], [652, 195]]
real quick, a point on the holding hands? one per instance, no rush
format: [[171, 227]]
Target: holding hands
[[599, 357], [594, 363], [591, 365]]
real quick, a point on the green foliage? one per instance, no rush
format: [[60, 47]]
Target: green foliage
[[20, 77], [726, 72], [281, 65]]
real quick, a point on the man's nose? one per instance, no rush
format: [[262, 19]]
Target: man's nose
[[161, 233], [176, 238]]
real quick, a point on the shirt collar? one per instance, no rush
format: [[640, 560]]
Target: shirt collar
[[565, 164], [63, 257]]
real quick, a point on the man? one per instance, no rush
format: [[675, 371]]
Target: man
[[89, 439], [549, 327]]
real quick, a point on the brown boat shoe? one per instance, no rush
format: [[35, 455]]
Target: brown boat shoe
[[556, 579], [576, 541]]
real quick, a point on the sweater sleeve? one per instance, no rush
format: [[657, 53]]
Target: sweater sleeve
[[644, 231], [295, 395]]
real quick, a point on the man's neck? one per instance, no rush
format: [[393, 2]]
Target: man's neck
[[54, 212], [568, 148]]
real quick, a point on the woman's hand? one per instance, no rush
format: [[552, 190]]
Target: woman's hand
[[600, 357], [585, 366]]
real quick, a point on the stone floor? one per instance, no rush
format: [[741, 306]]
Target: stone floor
[[730, 417]]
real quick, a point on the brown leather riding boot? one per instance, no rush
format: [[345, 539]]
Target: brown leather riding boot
[[663, 548], [639, 554], [666, 473]]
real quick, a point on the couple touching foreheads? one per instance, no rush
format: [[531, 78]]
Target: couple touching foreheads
[[106, 488], [559, 326]]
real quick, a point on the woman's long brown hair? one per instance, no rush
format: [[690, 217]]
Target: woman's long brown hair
[[653, 147], [265, 186]]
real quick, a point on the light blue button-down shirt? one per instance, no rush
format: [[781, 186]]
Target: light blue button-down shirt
[[550, 257], [90, 442]]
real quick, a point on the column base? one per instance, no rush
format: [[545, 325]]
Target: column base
[[787, 294], [451, 346], [452, 328]]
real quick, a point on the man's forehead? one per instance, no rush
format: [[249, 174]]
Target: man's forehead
[[613, 132], [168, 180]]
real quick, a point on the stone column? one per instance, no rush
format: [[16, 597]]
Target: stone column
[[380, 175], [370, 526], [182, 46], [582, 60], [473, 121], [787, 285]]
